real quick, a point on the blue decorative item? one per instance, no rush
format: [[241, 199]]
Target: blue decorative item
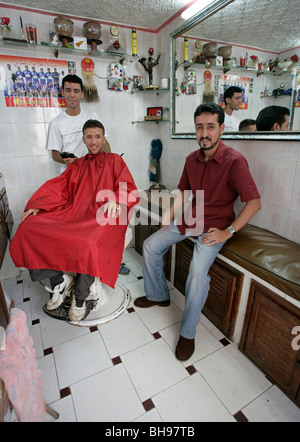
[[156, 151]]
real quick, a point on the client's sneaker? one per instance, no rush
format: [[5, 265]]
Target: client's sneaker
[[76, 313], [59, 292]]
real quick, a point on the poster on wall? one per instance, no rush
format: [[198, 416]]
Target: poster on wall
[[32, 82], [223, 82], [297, 101]]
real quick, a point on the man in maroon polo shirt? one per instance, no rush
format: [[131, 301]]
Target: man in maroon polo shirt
[[216, 175]]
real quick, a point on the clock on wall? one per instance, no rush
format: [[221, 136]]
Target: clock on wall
[[114, 31]]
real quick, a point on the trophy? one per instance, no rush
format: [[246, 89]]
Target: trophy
[[64, 28], [93, 34]]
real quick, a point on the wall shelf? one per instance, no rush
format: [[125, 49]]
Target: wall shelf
[[274, 96], [59, 50], [156, 92], [144, 91], [149, 121], [237, 70]]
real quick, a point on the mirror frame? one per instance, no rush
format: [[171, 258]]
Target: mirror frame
[[216, 6]]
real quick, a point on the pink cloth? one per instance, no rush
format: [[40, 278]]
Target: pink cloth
[[19, 373]]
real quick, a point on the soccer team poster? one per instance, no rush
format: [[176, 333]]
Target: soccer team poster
[[32, 82]]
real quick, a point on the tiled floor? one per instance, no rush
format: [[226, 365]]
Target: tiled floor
[[126, 371]]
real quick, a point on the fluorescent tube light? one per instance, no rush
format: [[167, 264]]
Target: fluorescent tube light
[[195, 8]]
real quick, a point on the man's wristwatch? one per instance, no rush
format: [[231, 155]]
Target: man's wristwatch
[[231, 230]]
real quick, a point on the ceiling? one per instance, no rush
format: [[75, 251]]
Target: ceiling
[[272, 25], [148, 14]]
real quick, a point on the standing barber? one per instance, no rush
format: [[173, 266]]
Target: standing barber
[[233, 99], [65, 130]]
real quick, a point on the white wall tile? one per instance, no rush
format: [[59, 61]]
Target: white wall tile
[[295, 199], [42, 169], [265, 149], [282, 183], [4, 116], [276, 220], [17, 114], [11, 176], [37, 138], [26, 172], [293, 227], [16, 202], [27, 193], [6, 145], [21, 140], [35, 114], [262, 174], [287, 151]]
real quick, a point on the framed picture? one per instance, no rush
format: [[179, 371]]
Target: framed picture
[[71, 67], [80, 42], [115, 76], [137, 83], [54, 39], [31, 34]]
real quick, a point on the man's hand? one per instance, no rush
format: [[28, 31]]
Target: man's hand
[[215, 236], [57, 157], [112, 208], [69, 160], [28, 212]]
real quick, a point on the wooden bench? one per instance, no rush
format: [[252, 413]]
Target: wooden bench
[[271, 257], [267, 335], [271, 265]]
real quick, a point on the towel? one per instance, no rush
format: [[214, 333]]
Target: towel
[[18, 371]]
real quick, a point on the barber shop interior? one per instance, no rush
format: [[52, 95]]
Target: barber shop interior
[[139, 288]]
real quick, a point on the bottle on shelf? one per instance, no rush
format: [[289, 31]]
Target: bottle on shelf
[[134, 42], [186, 50]]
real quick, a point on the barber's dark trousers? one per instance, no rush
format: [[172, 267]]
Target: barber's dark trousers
[[83, 282]]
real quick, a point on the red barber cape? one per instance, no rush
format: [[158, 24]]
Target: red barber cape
[[70, 232]]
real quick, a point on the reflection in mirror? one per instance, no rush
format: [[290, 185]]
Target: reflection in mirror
[[253, 45]]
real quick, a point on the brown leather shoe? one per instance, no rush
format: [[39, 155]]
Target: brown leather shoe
[[185, 348], [143, 302]]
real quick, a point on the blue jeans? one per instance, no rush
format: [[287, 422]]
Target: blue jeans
[[197, 285]]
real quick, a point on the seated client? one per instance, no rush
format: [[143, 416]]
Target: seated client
[[78, 224], [273, 118]]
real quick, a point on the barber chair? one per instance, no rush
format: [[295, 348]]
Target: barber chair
[[103, 303], [108, 303]]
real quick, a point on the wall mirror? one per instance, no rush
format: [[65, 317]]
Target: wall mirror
[[262, 32]]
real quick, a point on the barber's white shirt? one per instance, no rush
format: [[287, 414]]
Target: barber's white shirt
[[231, 123], [65, 133]]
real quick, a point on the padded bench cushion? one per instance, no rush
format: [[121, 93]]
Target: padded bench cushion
[[274, 259]]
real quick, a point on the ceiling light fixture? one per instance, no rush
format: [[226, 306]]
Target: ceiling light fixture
[[195, 8]]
